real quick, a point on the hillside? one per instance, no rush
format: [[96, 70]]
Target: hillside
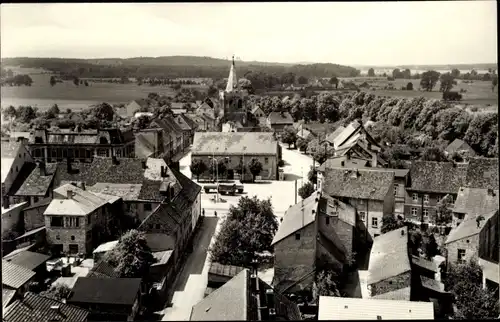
[[484, 66], [173, 66]]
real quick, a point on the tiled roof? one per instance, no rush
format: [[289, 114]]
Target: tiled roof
[[482, 173], [458, 145], [348, 131], [37, 184], [355, 163], [297, 217], [280, 118], [82, 202], [469, 227], [181, 122], [402, 294], [234, 143], [34, 307], [442, 177], [15, 276], [21, 177], [123, 190], [103, 270], [475, 201], [190, 189], [224, 270], [141, 102], [119, 291], [27, 259], [192, 124], [7, 296], [167, 127], [389, 256], [339, 308], [373, 185], [432, 284], [332, 136]]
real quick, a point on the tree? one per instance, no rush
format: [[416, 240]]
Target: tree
[[396, 73], [433, 154], [212, 91], [464, 281], [57, 292], [390, 223], [431, 247], [429, 80], [447, 82], [10, 112], [306, 190], [54, 110], [444, 214], [326, 284], [255, 167], [198, 167], [26, 114], [494, 82], [334, 81], [76, 81], [312, 175], [302, 80], [103, 111], [371, 72], [289, 136], [301, 144], [132, 256], [53, 80], [143, 122], [409, 86]]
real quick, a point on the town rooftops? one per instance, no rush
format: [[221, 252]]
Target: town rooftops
[[438, 177], [144, 147], [38, 181], [358, 183], [389, 256], [476, 201], [471, 226], [15, 276], [35, 307], [355, 163], [458, 145], [10, 149], [27, 259], [340, 308], [280, 118], [424, 263], [234, 143], [71, 200], [482, 173], [118, 291], [125, 191], [346, 133]]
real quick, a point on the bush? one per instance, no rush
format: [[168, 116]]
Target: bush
[[281, 163], [306, 190], [474, 109], [452, 96]]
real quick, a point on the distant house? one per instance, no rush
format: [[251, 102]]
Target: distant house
[[78, 220], [278, 120], [245, 298], [236, 149], [319, 228], [34, 307], [36, 184], [169, 126], [341, 309], [389, 268], [187, 127], [204, 122], [257, 112], [471, 201], [370, 192], [139, 105], [117, 299], [330, 138], [16, 277], [476, 235], [460, 147], [305, 133]]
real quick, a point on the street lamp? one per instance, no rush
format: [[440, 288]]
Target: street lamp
[[216, 165]]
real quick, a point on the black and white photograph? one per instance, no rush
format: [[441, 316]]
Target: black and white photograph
[[249, 161]]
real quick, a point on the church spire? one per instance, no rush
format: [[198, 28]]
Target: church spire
[[232, 80]]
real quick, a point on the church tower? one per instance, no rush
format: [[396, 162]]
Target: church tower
[[232, 98]]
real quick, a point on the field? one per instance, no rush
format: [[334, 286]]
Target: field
[[67, 95]]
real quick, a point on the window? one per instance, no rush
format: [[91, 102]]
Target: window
[[375, 222], [157, 226], [58, 237], [56, 221], [362, 215], [73, 248], [35, 199], [438, 198], [266, 160], [413, 211], [426, 212], [327, 220], [395, 189], [297, 236], [19, 155], [72, 222], [72, 237], [415, 197], [461, 255], [147, 207], [426, 198]]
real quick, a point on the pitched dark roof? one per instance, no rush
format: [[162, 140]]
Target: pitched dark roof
[[482, 173], [120, 291], [167, 127], [103, 269], [21, 177], [280, 118], [190, 122], [15, 276], [442, 177], [190, 189], [358, 183], [469, 227], [476, 201], [143, 147], [182, 123], [459, 145], [141, 102], [34, 307], [27, 259], [37, 184]]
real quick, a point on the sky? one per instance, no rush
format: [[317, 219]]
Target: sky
[[348, 33]]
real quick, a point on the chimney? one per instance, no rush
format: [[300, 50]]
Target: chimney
[[163, 172], [69, 194], [83, 185], [144, 166], [43, 169], [55, 308]]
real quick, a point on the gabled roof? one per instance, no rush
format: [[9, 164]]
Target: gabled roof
[[439, 177], [181, 122], [144, 148], [469, 227], [255, 109], [192, 124], [125, 191], [358, 183], [459, 145], [332, 136], [339, 308], [27, 259], [355, 163], [348, 132], [167, 127], [24, 172], [37, 182], [35, 307], [118, 291], [389, 256], [234, 143], [424, 263], [280, 118], [81, 203], [7, 296], [141, 102], [482, 173], [15, 276], [476, 201]]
